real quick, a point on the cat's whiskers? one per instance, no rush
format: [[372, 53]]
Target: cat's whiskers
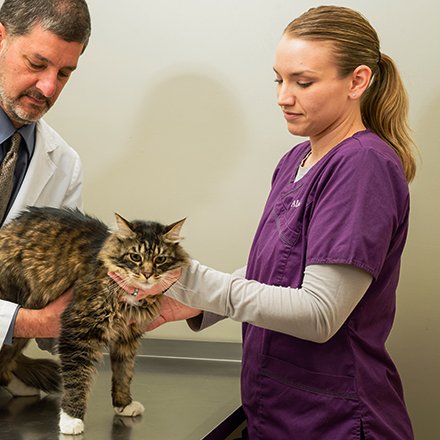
[[181, 286], [124, 283]]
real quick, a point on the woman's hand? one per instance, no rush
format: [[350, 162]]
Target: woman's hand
[[165, 282], [172, 310]]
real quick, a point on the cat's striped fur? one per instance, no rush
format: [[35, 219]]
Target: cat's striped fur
[[45, 251]]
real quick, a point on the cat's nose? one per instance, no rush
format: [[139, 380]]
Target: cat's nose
[[147, 275]]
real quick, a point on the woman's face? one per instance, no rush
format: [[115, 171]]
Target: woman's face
[[315, 100]]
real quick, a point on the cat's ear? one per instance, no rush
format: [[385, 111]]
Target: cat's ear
[[123, 226], [173, 232]]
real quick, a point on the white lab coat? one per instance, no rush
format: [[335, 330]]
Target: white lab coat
[[54, 178]]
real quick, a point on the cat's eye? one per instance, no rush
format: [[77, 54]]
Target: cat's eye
[[160, 259], [136, 258]]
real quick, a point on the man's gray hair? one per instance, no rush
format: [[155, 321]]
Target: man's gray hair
[[68, 19]]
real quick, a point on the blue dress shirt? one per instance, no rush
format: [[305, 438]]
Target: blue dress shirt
[[24, 155]]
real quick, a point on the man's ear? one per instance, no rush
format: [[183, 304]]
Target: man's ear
[[2, 32], [3, 35]]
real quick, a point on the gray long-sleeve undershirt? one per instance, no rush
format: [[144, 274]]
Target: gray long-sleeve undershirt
[[314, 312]]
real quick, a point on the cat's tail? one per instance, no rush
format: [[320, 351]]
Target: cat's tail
[[43, 374]]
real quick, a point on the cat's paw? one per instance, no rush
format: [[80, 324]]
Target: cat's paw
[[70, 425], [132, 410], [19, 389], [70, 437]]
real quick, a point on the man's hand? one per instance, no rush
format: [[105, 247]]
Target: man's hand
[[172, 310], [42, 323]]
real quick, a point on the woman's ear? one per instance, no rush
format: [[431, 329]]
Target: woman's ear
[[360, 80]]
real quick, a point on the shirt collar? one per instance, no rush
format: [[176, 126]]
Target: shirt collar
[[7, 130]]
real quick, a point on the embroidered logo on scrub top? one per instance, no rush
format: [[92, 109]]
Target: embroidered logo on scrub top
[[295, 204]]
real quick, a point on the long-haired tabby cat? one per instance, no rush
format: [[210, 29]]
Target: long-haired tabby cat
[[45, 251]]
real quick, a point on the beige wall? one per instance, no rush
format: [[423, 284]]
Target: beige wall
[[173, 112]]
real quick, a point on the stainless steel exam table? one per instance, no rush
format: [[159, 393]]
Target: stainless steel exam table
[[190, 391]]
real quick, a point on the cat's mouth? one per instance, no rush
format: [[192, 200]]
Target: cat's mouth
[[138, 282], [144, 285]]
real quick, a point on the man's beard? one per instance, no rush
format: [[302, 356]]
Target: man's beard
[[16, 113]]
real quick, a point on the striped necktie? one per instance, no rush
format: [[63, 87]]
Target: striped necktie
[[7, 173]]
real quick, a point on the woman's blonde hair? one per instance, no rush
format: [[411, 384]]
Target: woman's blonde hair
[[384, 105]]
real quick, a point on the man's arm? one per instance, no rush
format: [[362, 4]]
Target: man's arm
[[42, 323], [8, 311]]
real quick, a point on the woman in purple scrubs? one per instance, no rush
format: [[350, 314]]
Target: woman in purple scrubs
[[317, 299]]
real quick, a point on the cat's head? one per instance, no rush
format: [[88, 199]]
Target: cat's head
[[142, 252]]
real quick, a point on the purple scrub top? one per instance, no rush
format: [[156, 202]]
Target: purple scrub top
[[350, 208]]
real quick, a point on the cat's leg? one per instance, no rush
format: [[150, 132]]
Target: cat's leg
[[78, 359], [122, 355]]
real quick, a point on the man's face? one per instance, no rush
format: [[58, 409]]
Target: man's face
[[34, 68]]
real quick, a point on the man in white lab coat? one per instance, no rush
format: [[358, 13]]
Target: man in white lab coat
[[40, 45]]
